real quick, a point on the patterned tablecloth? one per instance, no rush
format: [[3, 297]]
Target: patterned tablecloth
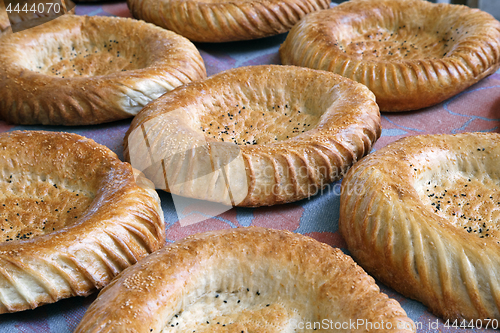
[[476, 109]]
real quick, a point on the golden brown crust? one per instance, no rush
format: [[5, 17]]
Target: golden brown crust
[[410, 53], [254, 136], [247, 279], [225, 21], [88, 70], [72, 216], [421, 215]]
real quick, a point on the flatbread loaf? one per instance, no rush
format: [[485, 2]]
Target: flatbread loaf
[[245, 280], [422, 216], [410, 53], [254, 136], [77, 70], [218, 21], [72, 216]]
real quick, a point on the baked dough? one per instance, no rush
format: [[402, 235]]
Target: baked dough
[[72, 216], [77, 70], [411, 53], [243, 280], [254, 136], [422, 216], [224, 21]]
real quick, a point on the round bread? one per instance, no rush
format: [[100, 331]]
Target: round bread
[[421, 215], [217, 21], [77, 70], [243, 280], [72, 216], [254, 136], [411, 53]]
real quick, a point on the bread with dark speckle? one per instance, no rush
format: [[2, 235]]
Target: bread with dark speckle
[[244, 280], [254, 136], [79, 70], [422, 215], [410, 53], [72, 216]]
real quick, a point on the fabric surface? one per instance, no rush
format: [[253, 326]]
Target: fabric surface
[[476, 109]]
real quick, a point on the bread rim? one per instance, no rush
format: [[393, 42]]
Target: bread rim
[[48, 171], [404, 213], [216, 21], [185, 154], [60, 95], [247, 279], [403, 73]]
